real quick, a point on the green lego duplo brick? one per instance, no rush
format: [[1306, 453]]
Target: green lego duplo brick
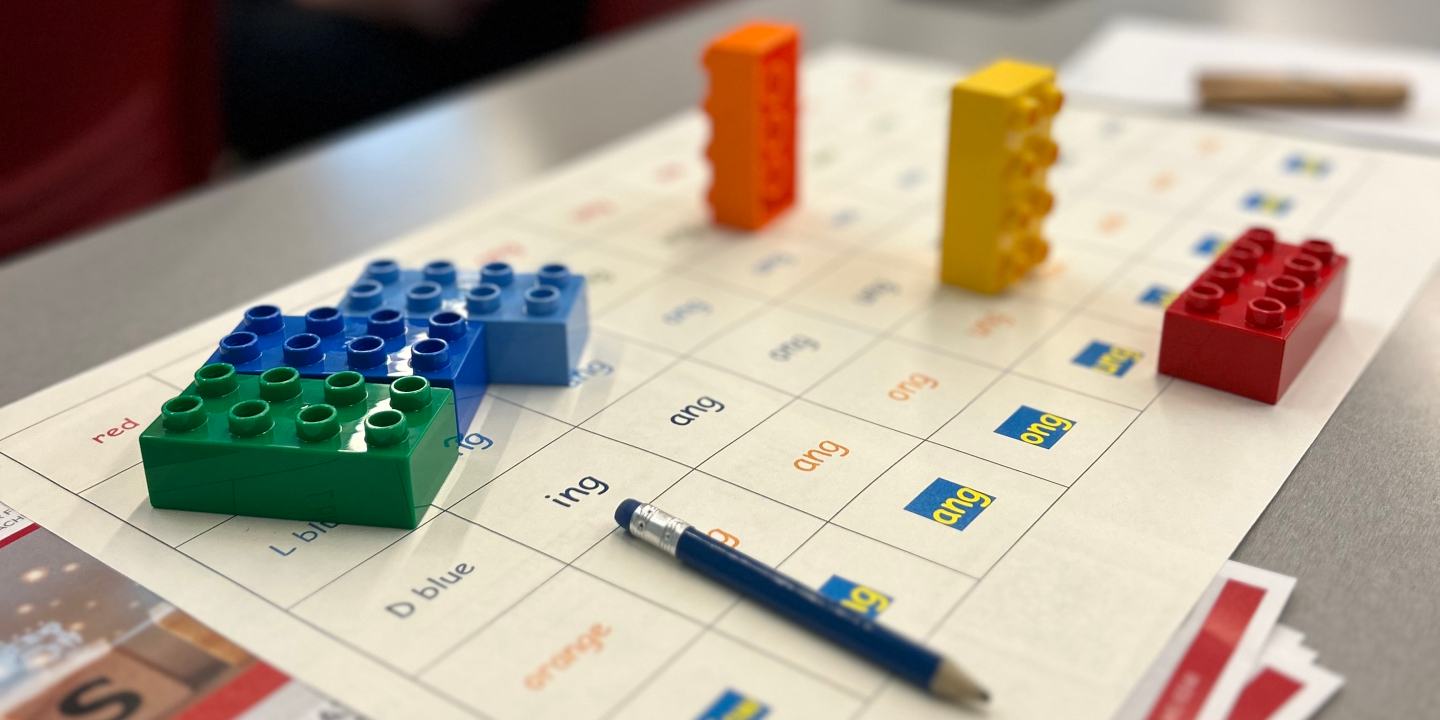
[[279, 446]]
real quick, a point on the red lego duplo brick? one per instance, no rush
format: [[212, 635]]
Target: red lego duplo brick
[[752, 118], [1252, 320]]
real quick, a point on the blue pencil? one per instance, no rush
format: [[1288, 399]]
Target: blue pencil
[[785, 596]]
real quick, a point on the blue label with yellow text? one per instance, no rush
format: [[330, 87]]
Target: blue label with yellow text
[[732, 705], [1108, 359], [1035, 427], [1210, 245], [1158, 295], [1302, 164], [865, 600], [1267, 204], [950, 503]]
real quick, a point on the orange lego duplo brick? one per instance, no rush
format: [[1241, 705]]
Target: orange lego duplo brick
[[752, 119]]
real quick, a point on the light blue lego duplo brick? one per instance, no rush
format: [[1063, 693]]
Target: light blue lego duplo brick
[[530, 338], [439, 285], [535, 325], [445, 348]]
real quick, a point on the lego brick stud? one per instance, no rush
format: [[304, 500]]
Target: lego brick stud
[[430, 355], [364, 352], [1204, 298], [249, 418], [315, 423], [1286, 289], [364, 295], [303, 349], [345, 388], [1304, 268], [752, 108], [239, 347], [1246, 255], [324, 321], [263, 319], [554, 275], [483, 299], [385, 323], [497, 273], [1263, 238], [383, 271], [1225, 274], [1000, 155], [1266, 313], [385, 428], [410, 393], [440, 272], [183, 413], [1320, 250], [542, 300], [447, 325], [424, 297], [216, 380], [279, 384]]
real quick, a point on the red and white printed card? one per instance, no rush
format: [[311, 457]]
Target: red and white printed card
[[1287, 685], [1208, 662]]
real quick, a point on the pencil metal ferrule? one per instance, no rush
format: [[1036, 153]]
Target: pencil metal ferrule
[[657, 527]]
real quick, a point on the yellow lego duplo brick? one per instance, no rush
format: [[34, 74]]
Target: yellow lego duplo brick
[[995, 196]]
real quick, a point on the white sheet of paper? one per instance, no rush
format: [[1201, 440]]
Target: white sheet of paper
[[1156, 62], [1058, 597]]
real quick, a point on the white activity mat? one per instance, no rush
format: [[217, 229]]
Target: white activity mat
[[794, 392]]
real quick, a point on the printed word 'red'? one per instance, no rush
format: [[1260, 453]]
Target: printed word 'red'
[[128, 424], [950, 504], [587, 485], [691, 413], [815, 458], [590, 642]]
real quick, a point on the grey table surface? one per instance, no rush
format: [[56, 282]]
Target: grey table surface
[[1356, 522]]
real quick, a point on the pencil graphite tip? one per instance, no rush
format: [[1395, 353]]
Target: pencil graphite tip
[[951, 683]]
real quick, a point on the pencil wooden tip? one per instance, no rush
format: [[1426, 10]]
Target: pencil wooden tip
[[951, 683]]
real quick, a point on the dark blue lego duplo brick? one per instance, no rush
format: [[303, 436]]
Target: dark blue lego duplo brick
[[445, 348], [536, 324]]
